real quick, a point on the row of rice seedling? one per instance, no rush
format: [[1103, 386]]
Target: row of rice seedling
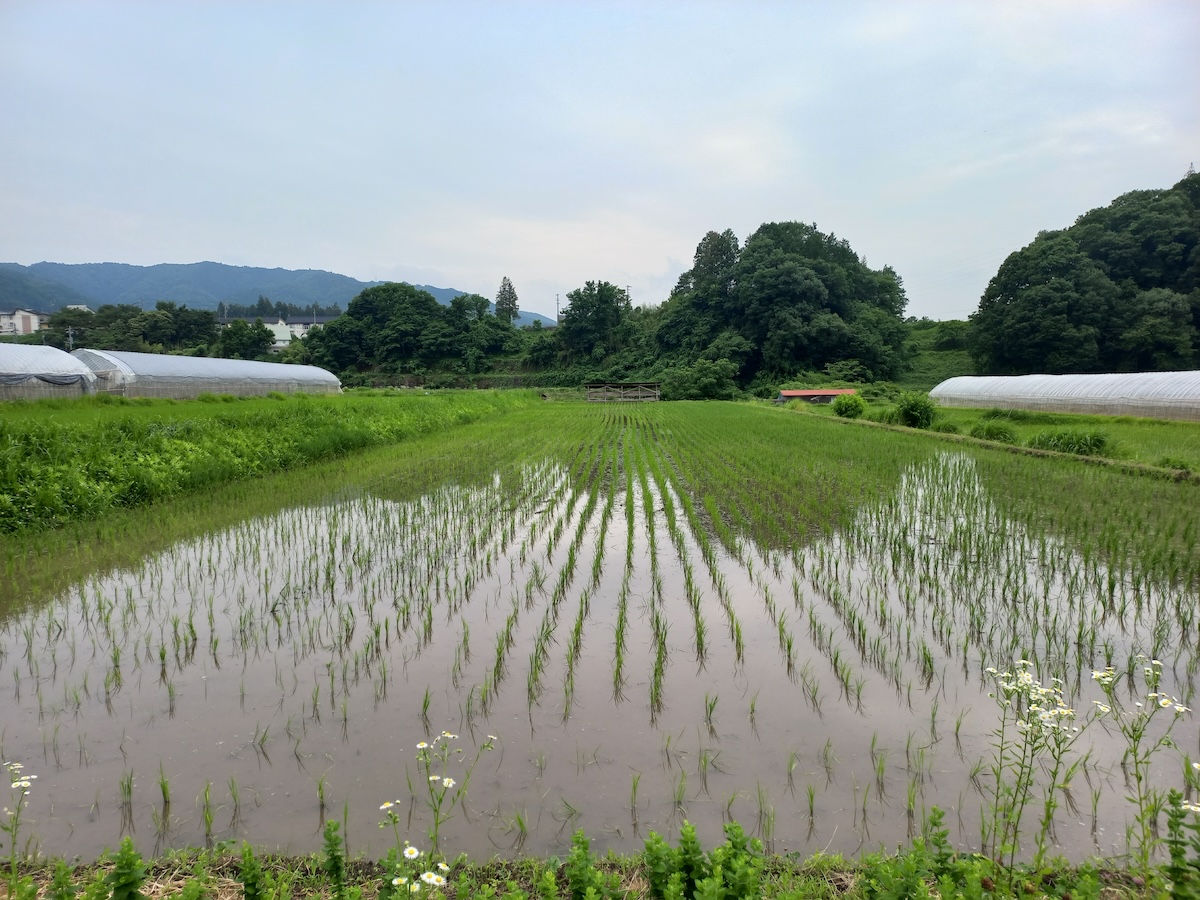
[[739, 603]]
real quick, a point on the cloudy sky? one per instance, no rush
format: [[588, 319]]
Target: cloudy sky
[[453, 143]]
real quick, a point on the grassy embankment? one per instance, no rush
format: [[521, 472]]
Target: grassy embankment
[[77, 461], [1159, 443]]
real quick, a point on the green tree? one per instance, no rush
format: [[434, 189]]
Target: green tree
[[590, 326], [1117, 291], [242, 341], [506, 301]]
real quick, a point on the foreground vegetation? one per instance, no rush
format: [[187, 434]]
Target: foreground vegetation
[[737, 869], [66, 461]]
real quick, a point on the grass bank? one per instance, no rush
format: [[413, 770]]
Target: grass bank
[[64, 462]]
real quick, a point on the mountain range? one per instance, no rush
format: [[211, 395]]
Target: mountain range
[[47, 286]]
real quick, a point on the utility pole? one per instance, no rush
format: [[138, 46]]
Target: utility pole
[[556, 309], [70, 338]]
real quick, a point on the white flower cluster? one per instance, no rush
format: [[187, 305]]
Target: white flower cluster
[[1153, 674], [1040, 709], [429, 877], [19, 780]]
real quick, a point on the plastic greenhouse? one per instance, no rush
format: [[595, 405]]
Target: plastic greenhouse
[[32, 372], [1159, 395], [182, 377]]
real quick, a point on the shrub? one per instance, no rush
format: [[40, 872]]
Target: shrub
[[994, 430], [849, 406], [916, 410], [1088, 442], [1023, 415], [1173, 462]]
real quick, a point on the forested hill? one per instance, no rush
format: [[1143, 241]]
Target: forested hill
[[47, 286], [200, 285], [1117, 291]]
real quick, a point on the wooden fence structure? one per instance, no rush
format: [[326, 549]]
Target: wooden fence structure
[[622, 391]]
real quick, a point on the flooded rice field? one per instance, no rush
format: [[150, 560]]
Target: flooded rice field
[[609, 652]]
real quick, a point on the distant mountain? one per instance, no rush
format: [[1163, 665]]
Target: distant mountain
[[51, 286], [20, 290]]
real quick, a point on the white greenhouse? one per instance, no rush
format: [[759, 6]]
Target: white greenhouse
[[1158, 395], [183, 377], [34, 372]]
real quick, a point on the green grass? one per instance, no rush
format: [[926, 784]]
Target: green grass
[[73, 461]]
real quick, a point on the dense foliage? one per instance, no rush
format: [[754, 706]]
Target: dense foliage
[[61, 470], [1117, 291], [792, 300], [396, 329]]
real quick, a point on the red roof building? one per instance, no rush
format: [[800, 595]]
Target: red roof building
[[821, 395]]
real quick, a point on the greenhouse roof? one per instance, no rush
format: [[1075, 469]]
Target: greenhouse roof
[[158, 365], [35, 361], [1165, 395], [1156, 386]]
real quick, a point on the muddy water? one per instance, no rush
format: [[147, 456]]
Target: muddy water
[[826, 699]]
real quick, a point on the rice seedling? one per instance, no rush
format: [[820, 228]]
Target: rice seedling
[[207, 811], [910, 570]]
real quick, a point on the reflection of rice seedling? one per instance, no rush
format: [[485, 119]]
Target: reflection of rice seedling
[[826, 758], [236, 799], [679, 792], [569, 812]]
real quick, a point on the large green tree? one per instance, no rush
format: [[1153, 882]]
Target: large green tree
[[591, 326], [1117, 291], [791, 299]]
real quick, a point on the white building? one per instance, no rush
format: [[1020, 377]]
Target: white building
[[22, 321]]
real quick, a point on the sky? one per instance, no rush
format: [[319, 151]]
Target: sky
[[455, 143]]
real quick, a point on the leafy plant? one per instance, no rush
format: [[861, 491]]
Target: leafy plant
[[1183, 867], [128, 873], [1085, 442], [916, 410], [994, 430], [733, 870], [583, 879], [849, 406]]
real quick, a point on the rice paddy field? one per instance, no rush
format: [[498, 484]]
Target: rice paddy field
[[614, 618]]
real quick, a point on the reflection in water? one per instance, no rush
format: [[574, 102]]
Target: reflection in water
[[635, 670]]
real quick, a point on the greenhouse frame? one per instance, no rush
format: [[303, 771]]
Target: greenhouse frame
[[1158, 395], [36, 372], [184, 377]]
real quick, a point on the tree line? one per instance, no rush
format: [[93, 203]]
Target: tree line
[[168, 328], [791, 300]]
